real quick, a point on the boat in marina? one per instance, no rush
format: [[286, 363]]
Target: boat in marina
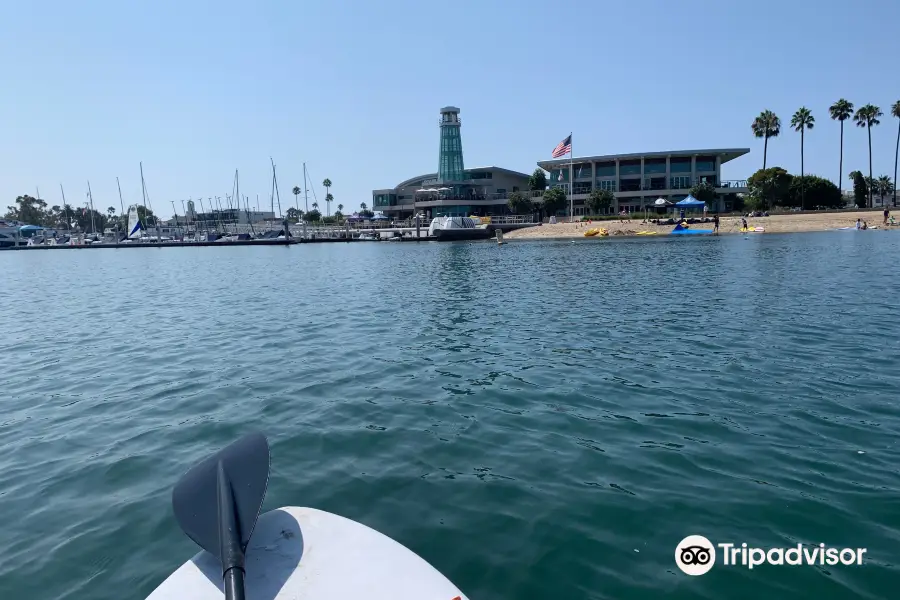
[[446, 229], [10, 235]]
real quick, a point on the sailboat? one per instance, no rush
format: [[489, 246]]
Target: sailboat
[[135, 227]]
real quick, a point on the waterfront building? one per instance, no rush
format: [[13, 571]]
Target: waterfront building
[[453, 190], [638, 180]]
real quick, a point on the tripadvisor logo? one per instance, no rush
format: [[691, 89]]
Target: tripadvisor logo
[[696, 555]]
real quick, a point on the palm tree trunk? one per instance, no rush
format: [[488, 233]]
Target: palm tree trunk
[[869, 129], [765, 149], [896, 154], [802, 190], [841, 167]]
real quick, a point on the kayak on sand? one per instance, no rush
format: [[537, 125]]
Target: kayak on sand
[[289, 552]]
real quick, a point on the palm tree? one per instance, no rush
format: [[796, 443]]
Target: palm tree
[[884, 186], [315, 205], [841, 111], [328, 196], [895, 111], [801, 121], [766, 125], [341, 207], [296, 191], [867, 116], [362, 206], [111, 211]]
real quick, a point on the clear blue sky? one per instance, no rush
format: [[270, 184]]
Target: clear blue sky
[[197, 89]]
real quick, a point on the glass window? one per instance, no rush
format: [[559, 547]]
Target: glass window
[[606, 184], [583, 171], [657, 183], [680, 182], [630, 167], [706, 164], [680, 165], [556, 173], [606, 169], [655, 165], [582, 187], [630, 185]]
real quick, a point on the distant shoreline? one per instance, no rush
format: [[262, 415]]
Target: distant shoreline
[[786, 223]]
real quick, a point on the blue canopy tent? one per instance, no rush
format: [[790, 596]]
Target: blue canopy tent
[[691, 203]]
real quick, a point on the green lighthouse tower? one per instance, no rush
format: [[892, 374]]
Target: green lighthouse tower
[[450, 161]]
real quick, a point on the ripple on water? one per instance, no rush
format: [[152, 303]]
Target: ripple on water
[[546, 420]]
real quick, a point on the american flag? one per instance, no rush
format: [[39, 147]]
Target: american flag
[[563, 148]]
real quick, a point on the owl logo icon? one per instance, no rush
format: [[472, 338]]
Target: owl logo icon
[[695, 555]]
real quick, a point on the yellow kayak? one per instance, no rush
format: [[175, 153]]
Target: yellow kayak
[[646, 233], [594, 231]]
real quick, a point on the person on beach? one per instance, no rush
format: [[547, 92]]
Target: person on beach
[[743, 223], [887, 213], [716, 223], [858, 224], [865, 226]]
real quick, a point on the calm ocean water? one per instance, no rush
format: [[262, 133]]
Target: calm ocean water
[[538, 420]]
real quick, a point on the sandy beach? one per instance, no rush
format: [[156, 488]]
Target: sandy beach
[[786, 223]]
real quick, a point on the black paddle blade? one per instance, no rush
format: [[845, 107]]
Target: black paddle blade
[[196, 498]]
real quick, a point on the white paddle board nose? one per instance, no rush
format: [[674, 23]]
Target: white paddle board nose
[[309, 554]]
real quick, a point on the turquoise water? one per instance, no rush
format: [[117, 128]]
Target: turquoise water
[[538, 420]]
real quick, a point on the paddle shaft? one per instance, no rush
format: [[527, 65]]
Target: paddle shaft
[[229, 538], [234, 584]]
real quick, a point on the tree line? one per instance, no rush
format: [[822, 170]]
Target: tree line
[[768, 125]]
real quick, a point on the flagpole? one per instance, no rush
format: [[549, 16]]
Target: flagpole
[[571, 180]]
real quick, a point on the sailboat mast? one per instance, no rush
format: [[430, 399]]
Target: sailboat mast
[[275, 188], [91, 198], [272, 195], [65, 208], [144, 197], [121, 204], [305, 191], [122, 208]]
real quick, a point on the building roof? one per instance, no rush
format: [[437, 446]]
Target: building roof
[[409, 181], [727, 154]]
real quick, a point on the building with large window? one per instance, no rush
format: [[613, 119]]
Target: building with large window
[[638, 180], [453, 190]]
